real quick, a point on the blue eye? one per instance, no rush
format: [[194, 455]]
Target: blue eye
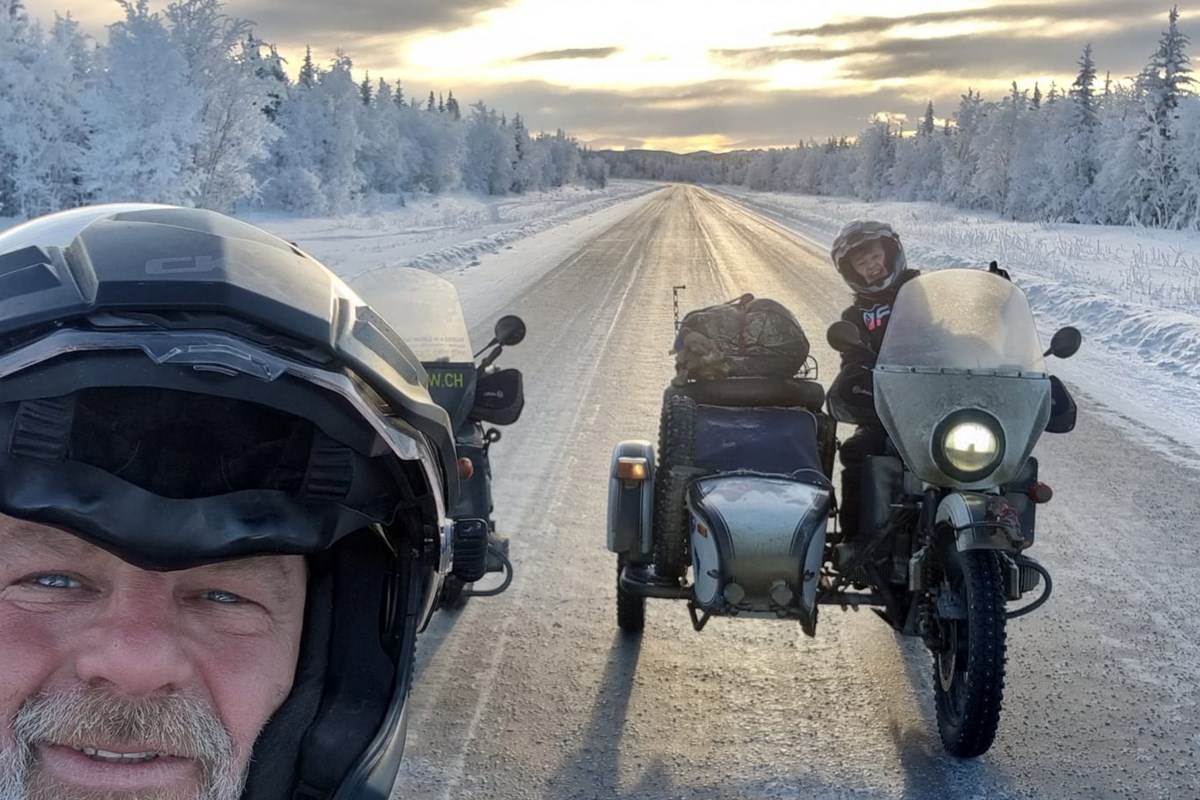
[[56, 581], [219, 596]]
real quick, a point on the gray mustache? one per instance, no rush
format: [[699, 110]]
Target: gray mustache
[[89, 717]]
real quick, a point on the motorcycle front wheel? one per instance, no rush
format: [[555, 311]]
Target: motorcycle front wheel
[[968, 669]]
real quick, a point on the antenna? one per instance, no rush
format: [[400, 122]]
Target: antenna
[[675, 290]]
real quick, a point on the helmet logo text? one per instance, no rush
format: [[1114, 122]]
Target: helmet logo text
[[171, 266]]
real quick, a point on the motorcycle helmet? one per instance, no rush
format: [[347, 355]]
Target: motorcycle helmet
[[179, 387], [859, 232]]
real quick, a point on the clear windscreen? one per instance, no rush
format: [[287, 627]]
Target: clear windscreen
[[422, 308], [962, 319]]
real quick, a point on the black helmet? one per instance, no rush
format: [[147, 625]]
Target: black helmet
[[178, 367], [858, 232]]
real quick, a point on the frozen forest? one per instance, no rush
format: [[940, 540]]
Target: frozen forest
[[190, 107], [1098, 151]]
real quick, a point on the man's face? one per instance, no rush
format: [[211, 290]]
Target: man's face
[[869, 261], [118, 682]]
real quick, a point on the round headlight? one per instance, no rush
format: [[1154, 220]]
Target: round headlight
[[971, 446], [968, 445]]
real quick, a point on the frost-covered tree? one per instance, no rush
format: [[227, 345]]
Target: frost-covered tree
[[963, 158], [1161, 85], [927, 123], [233, 127], [42, 131], [1079, 164], [876, 157], [490, 153], [365, 89], [996, 146], [143, 114], [308, 70]]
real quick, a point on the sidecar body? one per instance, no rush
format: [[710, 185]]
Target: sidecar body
[[739, 494]]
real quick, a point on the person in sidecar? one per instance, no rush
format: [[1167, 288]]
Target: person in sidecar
[[870, 258]]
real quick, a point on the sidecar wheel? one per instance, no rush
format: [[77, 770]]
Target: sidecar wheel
[[676, 448], [968, 675], [631, 608]]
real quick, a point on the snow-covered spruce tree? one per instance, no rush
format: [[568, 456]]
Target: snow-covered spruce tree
[[963, 158], [234, 130], [490, 153], [562, 165], [143, 114], [918, 168], [760, 175], [996, 145], [436, 150], [292, 180], [1152, 192], [43, 135], [1026, 177], [838, 164], [384, 156], [876, 156], [1068, 159], [340, 107]]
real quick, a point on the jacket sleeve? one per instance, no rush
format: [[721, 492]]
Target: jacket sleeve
[[852, 394]]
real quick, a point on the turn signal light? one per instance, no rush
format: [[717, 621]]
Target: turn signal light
[[465, 469], [1040, 493], [632, 469]]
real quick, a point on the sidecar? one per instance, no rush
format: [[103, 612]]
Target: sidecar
[[739, 491]]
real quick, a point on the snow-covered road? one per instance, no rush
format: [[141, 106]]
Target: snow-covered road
[[534, 694]]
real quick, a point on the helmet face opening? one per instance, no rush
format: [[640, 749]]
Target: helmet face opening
[[184, 445]]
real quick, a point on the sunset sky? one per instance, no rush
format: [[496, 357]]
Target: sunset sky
[[689, 74]]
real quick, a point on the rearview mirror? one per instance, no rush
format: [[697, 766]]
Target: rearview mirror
[[844, 336], [510, 330], [1065, 343]]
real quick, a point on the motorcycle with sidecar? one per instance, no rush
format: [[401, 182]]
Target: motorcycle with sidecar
[[739, 491]]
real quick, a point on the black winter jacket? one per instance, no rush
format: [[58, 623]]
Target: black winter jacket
[[853, 390]]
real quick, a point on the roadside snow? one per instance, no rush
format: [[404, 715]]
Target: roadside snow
[[438, 232], [1134, 294]]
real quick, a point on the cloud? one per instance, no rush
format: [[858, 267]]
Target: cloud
[[1095, 10], [322, 22], [578, 52], [1123, 50], [729, 111]]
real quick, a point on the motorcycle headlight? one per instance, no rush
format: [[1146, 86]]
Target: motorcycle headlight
[[968, 445]]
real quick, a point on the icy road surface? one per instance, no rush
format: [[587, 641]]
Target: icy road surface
[[535, 694]]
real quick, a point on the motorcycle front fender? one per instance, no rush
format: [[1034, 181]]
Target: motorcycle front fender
[[974, 527]]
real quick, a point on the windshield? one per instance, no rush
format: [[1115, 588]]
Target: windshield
[[962, 319], [423, 308]]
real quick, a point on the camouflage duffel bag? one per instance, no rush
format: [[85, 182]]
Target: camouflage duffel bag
[[746, 337]]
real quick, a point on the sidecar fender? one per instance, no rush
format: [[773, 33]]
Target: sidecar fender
[[631, 501]]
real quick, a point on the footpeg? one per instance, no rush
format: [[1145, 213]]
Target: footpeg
[[470, 549]]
